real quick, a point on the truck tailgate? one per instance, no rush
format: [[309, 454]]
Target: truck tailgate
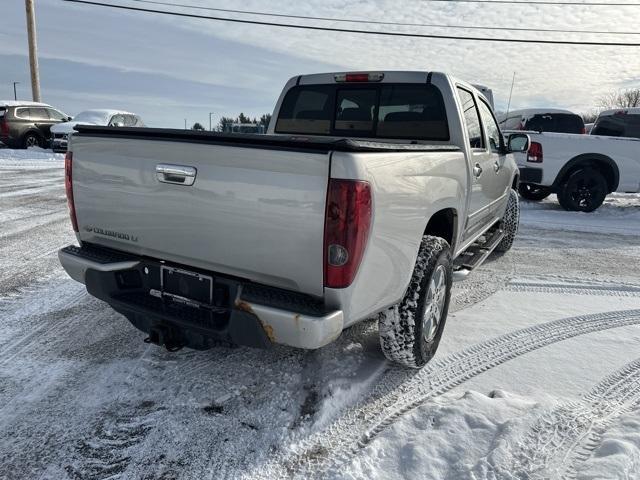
[[253, 213]]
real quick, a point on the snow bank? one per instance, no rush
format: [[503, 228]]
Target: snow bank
[[618, 455], [443, 439], [31, 158]]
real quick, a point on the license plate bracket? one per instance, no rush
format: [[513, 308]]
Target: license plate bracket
[[185, 286]]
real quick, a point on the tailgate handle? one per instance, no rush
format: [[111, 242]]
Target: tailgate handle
[[176, 174]]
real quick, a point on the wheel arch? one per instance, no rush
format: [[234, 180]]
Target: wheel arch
[[516, 181], [602, 163], [33, 130], [444, 224]]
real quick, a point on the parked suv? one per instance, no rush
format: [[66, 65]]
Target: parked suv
[[621, 122], [543, 120], [27, 124]]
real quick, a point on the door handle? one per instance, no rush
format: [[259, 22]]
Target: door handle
[[176, 174], [477, 170]]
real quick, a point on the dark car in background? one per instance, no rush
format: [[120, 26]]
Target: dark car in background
[[27, 124], [620, 122], [543, 120]]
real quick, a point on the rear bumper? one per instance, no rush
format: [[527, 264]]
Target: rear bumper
[[246, 313], [530, 175], [59, 144]]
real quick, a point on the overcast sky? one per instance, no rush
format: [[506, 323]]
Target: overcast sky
[[170, 68]]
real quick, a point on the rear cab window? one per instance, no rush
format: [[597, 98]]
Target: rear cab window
[[618, 125], [556, 123], [393, 111]]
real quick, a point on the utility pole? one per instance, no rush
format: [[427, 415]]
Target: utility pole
[[33, 50], [210, 129], [15, 94], [185, 123]]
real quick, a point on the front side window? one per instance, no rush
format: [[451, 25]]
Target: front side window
[[493, 132], [471, 118], [56, 115]]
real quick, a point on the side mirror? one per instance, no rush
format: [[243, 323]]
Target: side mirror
[[518, 143], [68, 119]]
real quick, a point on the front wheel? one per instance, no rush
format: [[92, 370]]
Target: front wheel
[[583, 191], [411, 330], [533, 192]]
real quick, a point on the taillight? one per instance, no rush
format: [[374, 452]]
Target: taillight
[[534, 154], [346, 230], [68, 186], [4, 127]]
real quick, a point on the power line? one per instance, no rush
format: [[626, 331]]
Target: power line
[[349, 30], [542, 2], [375, 22]]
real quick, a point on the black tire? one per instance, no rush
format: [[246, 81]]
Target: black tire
[[583, 191], [510, 222], [31, 139], [406, 336], [533, 192]]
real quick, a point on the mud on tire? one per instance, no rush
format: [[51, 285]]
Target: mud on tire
[[404, 337], [510, 221]]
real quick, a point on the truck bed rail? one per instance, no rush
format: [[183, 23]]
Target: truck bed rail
[[246, 140]]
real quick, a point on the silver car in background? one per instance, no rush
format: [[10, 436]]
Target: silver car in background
[[104, 117]]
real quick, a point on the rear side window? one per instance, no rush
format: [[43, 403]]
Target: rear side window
[[471, 118], [621, 125], [22, 113], [555, 122], [399, 111]]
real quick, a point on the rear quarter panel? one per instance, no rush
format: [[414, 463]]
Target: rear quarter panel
[[407, 189]]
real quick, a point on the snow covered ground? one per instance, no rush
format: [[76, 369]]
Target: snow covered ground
[[537, 376]]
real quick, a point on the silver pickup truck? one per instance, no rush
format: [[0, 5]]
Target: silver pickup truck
[[369, 193]]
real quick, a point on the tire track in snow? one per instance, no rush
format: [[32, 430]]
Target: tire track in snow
[[333, 447], [577, 289], [567, 435]]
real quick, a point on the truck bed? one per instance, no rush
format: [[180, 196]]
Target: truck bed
[[255, 210]]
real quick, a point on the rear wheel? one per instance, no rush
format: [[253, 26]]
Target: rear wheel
[[510, 222], [31, 140], [583, 191], [411, 330], [533, 192]]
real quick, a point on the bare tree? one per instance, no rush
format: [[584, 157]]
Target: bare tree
[[589, 117], [621, 99]]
